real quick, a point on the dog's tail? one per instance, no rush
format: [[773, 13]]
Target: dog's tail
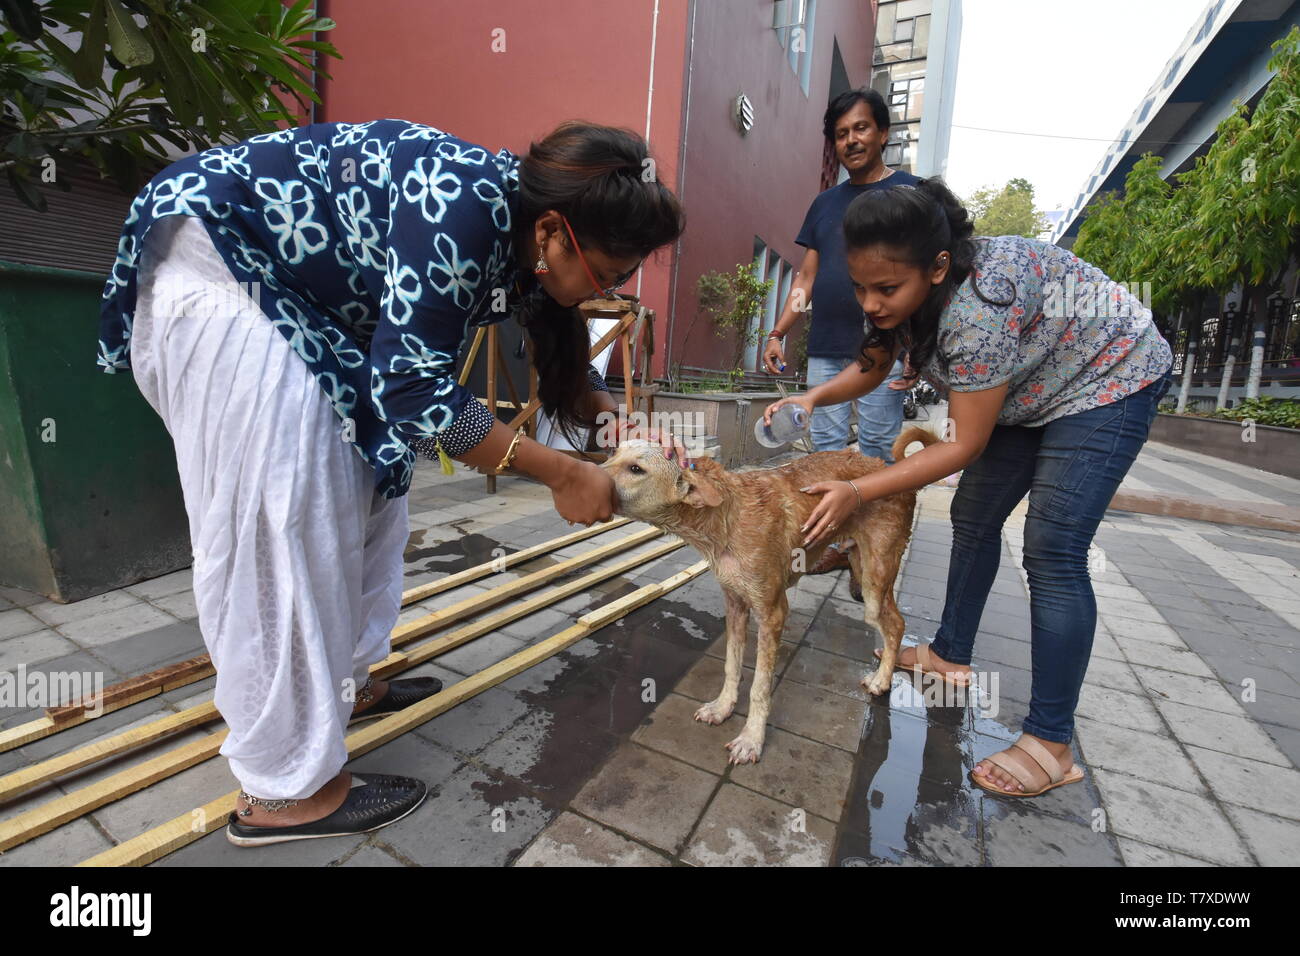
[[910, 434]]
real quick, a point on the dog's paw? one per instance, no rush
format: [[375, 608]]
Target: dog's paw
[[878, 682], [715, 711], [746, 748]]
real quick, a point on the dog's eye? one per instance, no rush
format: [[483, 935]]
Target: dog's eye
[[636, 470]]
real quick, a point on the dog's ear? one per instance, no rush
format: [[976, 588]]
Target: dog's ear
[[697, 492]]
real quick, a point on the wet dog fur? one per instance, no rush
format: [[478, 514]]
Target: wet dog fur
[[746, 524]]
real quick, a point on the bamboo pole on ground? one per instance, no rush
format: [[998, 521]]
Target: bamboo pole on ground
[[136, 689], [24, 779], [188, 827], [32, 823]]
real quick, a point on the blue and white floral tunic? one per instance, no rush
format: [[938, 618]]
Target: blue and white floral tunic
[[374, 248]]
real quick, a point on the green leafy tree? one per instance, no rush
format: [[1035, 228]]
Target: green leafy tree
[[1232, 221], [1101, 238], [124, 84], [1008, 211]]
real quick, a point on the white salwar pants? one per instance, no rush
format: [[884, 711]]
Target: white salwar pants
[[298, 561]]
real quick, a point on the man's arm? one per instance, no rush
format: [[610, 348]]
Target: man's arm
[[796, 304]]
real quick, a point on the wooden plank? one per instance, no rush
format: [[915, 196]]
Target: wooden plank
[[492, 352], [629, 374], [440, 645], [55, 813], [40, 820], [190, 826], [596, 349], [1247, 514], [44, 726], [24, 779], [473, 354], [405, 633], [622, 304], [172, 674], [510, 382], [26, 733], [417, 594]]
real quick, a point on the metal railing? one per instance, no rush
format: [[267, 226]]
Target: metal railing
[[1284, 372]]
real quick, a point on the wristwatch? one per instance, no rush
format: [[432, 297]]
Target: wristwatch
[[774, 334]]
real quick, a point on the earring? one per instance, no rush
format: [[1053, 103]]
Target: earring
[[541, 268]]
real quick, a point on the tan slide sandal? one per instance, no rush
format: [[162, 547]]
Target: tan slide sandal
[[924, 666], [1024, 772]]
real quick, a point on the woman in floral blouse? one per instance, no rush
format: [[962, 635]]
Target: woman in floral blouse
[[292, 307], [1053, 373]]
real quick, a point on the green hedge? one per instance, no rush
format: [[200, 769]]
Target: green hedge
[[1282, 412]]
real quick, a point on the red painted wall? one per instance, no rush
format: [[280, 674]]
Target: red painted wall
[[738, 187], [564, 59]]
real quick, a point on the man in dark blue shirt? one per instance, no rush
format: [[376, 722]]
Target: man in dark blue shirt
[[857, 122]]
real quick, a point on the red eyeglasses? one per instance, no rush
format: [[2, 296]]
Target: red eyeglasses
[[619, 281]]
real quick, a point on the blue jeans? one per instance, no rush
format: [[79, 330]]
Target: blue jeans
[[1071, 468], [880, 413]]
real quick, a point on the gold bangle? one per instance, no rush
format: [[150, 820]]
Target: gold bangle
[[509, 457], [858, 493]]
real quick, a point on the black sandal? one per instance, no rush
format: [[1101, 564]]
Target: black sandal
[[374, 800], [401, 693]]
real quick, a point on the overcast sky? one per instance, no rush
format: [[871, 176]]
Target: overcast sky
[[1060, 67]]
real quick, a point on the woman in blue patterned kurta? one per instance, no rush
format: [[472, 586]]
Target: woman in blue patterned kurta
[[366, 253], [1054, 372]]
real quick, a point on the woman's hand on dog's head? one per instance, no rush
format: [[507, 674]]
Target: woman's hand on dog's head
[[674, 450]]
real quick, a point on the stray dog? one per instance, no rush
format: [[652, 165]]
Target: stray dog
[[747, 525]]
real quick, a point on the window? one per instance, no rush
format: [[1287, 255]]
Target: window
[[893, 52], [902, 31], [805, 62], [793, 22], [885, 23], [767, 265], [900, 148], [921, 38], [906, 98]]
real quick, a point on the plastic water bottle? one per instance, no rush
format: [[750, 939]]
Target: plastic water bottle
[[789, 422]]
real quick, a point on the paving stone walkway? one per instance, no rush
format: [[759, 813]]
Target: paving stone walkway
[[1189, 725]]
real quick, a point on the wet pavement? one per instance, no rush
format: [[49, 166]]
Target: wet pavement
[[1189, 725]]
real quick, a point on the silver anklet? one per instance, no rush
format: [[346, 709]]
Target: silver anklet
[[363, 695], [270, 805]]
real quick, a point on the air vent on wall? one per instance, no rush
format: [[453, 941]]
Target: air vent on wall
[[743, 113]]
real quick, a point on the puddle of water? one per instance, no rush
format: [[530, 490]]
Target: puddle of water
[[599, 694], [911, 799], [448, 557]]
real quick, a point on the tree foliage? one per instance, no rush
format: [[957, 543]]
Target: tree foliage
[[730, 300], [1008, 211], [126, 84], [1234, 217]]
